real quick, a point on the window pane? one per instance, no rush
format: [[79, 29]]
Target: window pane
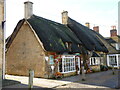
[[69, 63]]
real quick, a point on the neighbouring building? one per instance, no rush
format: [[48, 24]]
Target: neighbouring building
[[48, 47], [39, 44], [1, 20], [2, 38], [88, 37], [96, 28], [113, 59]]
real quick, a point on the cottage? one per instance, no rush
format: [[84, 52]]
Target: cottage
[[95, 60], [113, 59], [39, 44], [48, 47], [88, 37]]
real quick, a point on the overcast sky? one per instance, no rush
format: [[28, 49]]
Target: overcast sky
[[103, 13]]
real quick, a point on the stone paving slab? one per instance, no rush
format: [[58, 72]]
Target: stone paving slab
[[46, 83]]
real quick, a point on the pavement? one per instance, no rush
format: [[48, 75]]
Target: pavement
[[103, 79]]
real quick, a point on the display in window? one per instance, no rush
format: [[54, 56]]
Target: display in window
[[51, 59]]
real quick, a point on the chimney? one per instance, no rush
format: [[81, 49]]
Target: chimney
[[28, 9], [87, 24], [113, 27], [96, 28], [113, 32], [65, 17]]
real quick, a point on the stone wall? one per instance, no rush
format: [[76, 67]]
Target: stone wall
[[95, 68], [24, 53]]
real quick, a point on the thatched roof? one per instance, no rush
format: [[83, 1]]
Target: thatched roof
[[88, 38], [53, 35], [13, 35]]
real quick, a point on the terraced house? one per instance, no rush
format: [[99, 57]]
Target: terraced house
[[48, 47], [113, 59], [91, 40]]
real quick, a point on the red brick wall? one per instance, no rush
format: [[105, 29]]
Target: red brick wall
[[113, 32], [96, 28]]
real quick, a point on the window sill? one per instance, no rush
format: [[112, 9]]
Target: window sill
[[68, 71]]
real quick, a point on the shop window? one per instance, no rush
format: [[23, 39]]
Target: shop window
[[51, 57], [68, 64]]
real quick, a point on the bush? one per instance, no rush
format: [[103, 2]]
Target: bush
[[103, 68]]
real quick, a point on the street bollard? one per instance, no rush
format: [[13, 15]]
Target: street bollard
[[31, 76], [83, 74], [113, 71]]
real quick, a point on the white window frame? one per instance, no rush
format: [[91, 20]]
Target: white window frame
[[71, 62], [117, 60], [97, 61], [117, 46]]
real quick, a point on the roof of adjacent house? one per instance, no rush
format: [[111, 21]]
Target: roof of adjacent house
[[94, 54], [88, 38], [110, 48], [110, 40], [53, 35]]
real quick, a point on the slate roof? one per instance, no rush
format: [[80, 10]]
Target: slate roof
[[109, 47], [110, 40], [88, 38]]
